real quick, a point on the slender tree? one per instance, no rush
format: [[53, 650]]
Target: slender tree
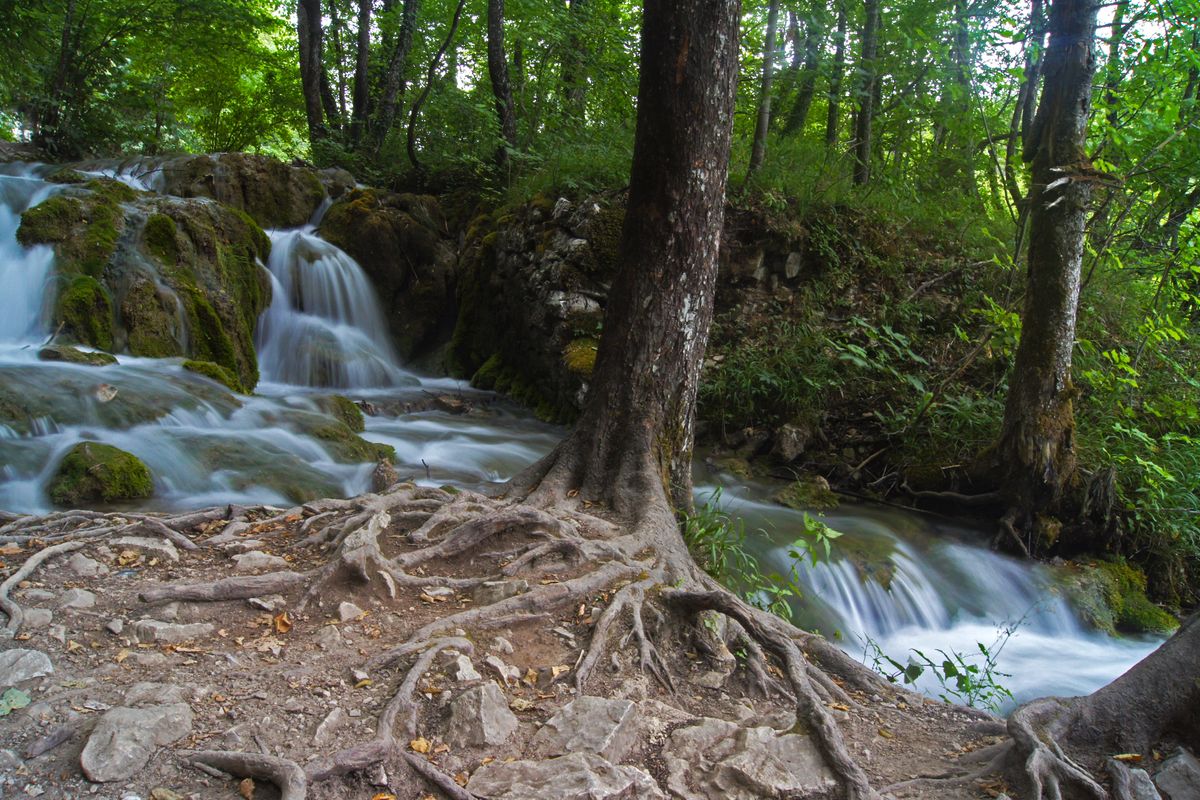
[[762, 125], [806, 85], [362, 77], [393, 81], [833, 114], [868, 88], [309, 34], [502, 93]]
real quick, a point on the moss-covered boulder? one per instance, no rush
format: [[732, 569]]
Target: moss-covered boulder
[[347, 447], [84, 224], [1111, 596], [807, 493], [84, 311], [216, 373], [71, 355], [344, 410], [403, 243], [99, 473]]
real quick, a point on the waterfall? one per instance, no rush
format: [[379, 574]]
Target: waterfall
[[324, 326], [24, 273]]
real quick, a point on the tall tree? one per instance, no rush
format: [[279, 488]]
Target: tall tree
[[806, 85], [833, 113], [864, 118], [312, 70], [574, 79], [393, 81], [502, 93], [762, 125], [1036, 450], [362, 77]]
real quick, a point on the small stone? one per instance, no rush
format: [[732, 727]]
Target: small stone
[[150, 659], [163, 793], [326, 732], [502, 645], [578, 776], [242, 545], [86, 567], [791, 267], [606, 727], [480, 716], [115, 626], [37, 595], [711, 679], [125, 738], [563, 632], [359, 675], [1178, 778], [57, 633], [378, 776], [328, 637], [149, 546], [465, 670], [272, 603], [258, 560], [147, 693], [348, 612], [152, 630], [507, 674], [490, 592], [77, 598], [19, 665], [38, 617]]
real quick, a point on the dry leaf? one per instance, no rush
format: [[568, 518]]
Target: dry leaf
[[1128, 757], [530, 676], [486, 760], [442, 748], [10, 549], [127, 557], [559, 670], [839, 706], [121, 656], [461, 778], [383, 796], [364, 683], [431, 599], [23, 637], [520, 704], [73, 645], [420, 745], [246, 788], [885, 733], [283, 623]]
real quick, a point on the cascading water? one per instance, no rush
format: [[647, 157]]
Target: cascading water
[[24, 272]]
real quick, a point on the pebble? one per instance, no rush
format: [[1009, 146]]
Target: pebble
[[503, 645], [115, 626], [86, 567], [38, 617], [348, 612], [256, 560]]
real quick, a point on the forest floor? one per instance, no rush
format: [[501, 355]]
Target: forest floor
[[303, 670]]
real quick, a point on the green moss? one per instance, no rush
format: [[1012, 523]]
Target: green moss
[[93, 472], [84, 311], [347, 447], [807, 493], [210, 341], [485, 377], [150, 321], [51, 221], [66, 176], [1111, 596], [159, 237], [73, 356], [580, 356], [345, 411], [113, 191], [215, 372], [604, 237]]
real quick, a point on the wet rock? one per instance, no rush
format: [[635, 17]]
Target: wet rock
[[1179, 777], [92, 473], [38, 617], [258, 560], [148, 547], [578, 776], [125, 738], [152, 630], [718, 760], [77, 598], [327, 731], [587, 724], [19, 665], [490, 592], [86, 567], [480, 716], [348, 612]]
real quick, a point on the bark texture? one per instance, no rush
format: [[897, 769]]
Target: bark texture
[[393, 81], [762, 125], [309, 34], [833, 114], [868, 90], [1036, 450], [502, 93]]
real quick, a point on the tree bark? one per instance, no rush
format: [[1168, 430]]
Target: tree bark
[[865, 118], [632, 445], [956, 169], [393, 82], [1036, 450], [308, 32], [807, 84], [833, 116], [506, 112], [430, 76], [362, 77], [758, 150], [574, 79]]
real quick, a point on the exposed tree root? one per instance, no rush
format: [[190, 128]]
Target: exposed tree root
[[1035, 728], [9, 606], [282, 772]]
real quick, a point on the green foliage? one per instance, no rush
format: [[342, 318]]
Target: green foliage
[[969, 678]]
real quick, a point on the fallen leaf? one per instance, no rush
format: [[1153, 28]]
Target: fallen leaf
[[73, 645], [520, 704], [10, 549], [442, 748], [1128, 757], [23, 637], [530, 677], [246, 788], [461, 778], [885, 733], [559, 670], [487, 760], [283, 624], [127, 557], [364, 683], [839, 706], [430, 599], [420, 745], [121, 656], [383, 796]]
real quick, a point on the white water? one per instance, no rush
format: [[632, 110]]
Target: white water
[[903, 581]]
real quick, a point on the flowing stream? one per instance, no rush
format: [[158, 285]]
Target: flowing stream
[[895, 581]]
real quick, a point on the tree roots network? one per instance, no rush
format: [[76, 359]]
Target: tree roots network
[[370, 615]]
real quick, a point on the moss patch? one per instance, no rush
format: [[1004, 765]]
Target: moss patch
[[1111, 596], [215, 372], [73, 356], [159, 238], [347, 447], [150, 321], [345, 411], [807, 493], [580, 356], [93, 472], [84, 311]]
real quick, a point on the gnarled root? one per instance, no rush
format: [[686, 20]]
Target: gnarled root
[[9, 606], [1035, 728], [282, 772]]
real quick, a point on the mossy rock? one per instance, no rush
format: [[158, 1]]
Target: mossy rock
[[92, 472], [150, 321], [215, 372], [275, 194], [160, 238], [1111, 596], [71, 355], [807, 493], [84, 312], [580, 356], [84, 227], [345, 411], [66, 176], [347, 447]]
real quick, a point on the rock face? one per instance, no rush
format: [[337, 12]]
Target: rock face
[[1179, 777], [480, 716], [719, 760], [125, 738], [20, 665], [91, 472], [153, 630], [578, 776], [606, 727], [403, 243]]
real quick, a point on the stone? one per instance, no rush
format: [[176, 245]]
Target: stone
[[37, 595], [20, 665], [328, 637], [480, 716], [57, 633], [86, 567], [92, 472], [465, 670], [791, 267], [578, 776], [147, 693], [256, 560], [38, 617], [152, 630], [327, 731], [150, 659], [77, 598], [149, 546], [1141, 787], [242, 545], [791, 440], [718, 760], [588, 724], [1178, 778], [507, 673], [115, 626], [271, 603], [490, 592], [348, 612], [125, 738], [502, 645]]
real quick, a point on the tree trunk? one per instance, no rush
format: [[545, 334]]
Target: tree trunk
[[362, 77], [632, 445], [393, 82], [430, 76], [758, 150], [833, 116], [574, 79], [501, 88], [807, 85], [865, 118], [308, 31], [1036, 450], [957, 146]]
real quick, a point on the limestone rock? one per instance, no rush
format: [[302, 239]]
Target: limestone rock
[[791, 267], [1179, 777], [20, 665], [718, 760], [465, 670], [490, 592], [149, 547], [508, 674], [327, 731], [115, 626], [348, 612], [258, 560], [578, 776], [77, 598], [38, 617], [86, 567], [480, 716], [125, 738], [152, 630], [606, 727], [147, 693]]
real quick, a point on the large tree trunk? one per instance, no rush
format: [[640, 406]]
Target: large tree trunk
[[632, 445], [762, 125], [362, 77], [1036, 450], [833, 115], [506, 111], [867, 90], [308, 31], [574, 78], [393, 82], [807, 83]]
